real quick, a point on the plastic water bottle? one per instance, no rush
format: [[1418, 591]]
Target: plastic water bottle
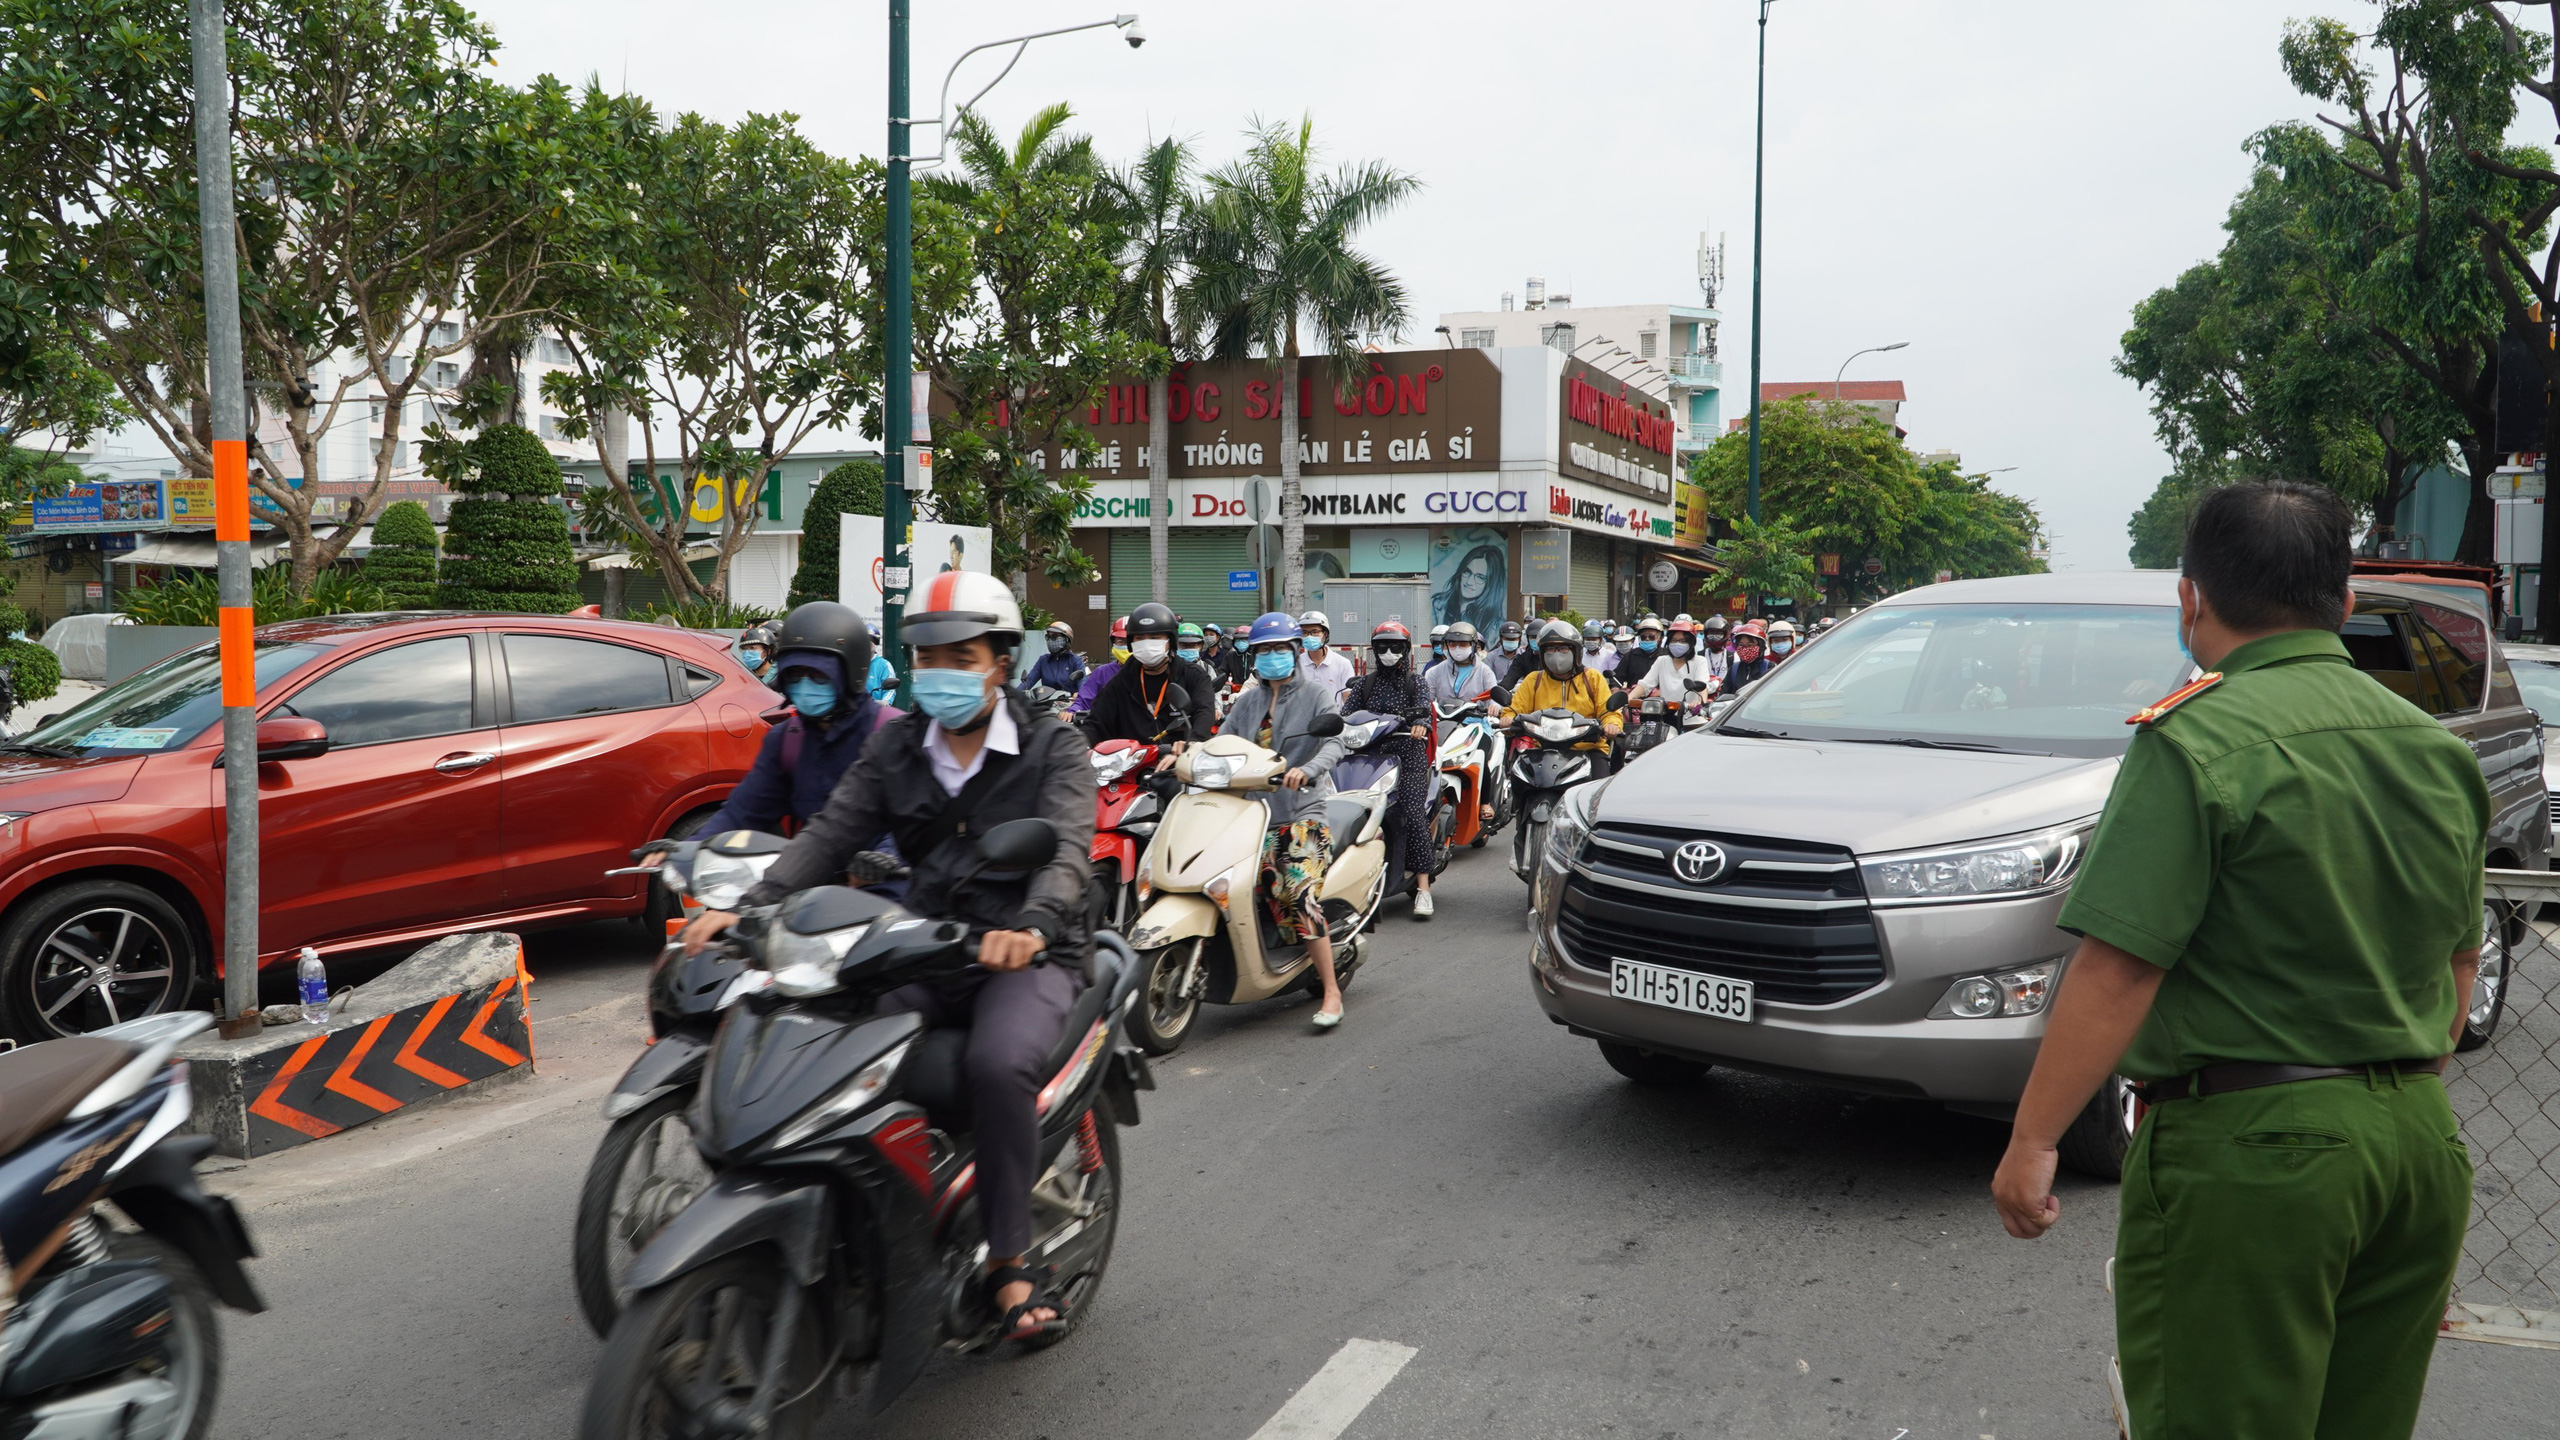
[[313, 979]]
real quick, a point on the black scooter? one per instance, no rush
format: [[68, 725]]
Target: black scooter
[[840, 1230], [114, 1333], [645, 1169], [1551, 760]]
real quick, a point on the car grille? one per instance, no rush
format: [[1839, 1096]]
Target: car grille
[[1801, 935]]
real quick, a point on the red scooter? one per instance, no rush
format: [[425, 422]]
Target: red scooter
[[1127, 807]]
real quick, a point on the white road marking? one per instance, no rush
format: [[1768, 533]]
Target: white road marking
[[1326, 1405]]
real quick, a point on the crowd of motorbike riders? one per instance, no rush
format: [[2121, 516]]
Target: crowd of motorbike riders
[[918, 960]]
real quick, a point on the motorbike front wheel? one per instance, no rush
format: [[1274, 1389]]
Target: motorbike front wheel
[[1167, 1009], [1444, 830], [190, 1359], [685, 1358], [644, 1172]]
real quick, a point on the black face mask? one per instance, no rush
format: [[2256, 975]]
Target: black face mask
[[1057, 644]]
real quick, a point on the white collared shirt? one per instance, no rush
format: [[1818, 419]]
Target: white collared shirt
[[948, 772]]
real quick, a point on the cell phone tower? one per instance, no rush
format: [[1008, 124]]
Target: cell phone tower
[[1710, 268]]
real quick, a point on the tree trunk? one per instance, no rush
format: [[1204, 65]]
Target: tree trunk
[[1159, 490], [1293, 515], [2546, 620], [2479, 513]]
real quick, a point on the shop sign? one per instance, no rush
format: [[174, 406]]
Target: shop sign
[[105, 504], [1615, 434], [1546, 561], [1416, 500], [1689, 514], [1421, 410], [190, 500], [1663, 575], [1828, 563], [1606, 514]]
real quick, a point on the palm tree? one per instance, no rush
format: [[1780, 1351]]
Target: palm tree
[[1274, 250], [1157, 214]]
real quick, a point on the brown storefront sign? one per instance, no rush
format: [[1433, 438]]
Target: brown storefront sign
[[1614, 434]]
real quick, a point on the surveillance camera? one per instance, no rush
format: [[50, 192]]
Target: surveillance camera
[[1133, 32]]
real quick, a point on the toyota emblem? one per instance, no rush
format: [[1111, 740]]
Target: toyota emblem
[[1700, 862]]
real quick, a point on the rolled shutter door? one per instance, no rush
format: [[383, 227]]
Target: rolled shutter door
[[1196, 563], [1590, 579]]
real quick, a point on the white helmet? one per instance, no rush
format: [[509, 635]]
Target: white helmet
[[1782, 629], [959, 605]]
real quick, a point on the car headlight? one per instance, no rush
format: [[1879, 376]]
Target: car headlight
[[1989, 870], [1572, 822], [805, 965], [845, 1101], [1212, 772], [2009, 994]]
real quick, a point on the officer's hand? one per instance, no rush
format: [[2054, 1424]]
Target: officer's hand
[[699, 931], [1294, 780], [2023, 1191], [1008, 949]]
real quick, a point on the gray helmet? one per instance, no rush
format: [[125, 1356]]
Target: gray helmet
[[1461, 633], [1314, 620], [1716, 625], [1439, 633], [1559, 632], [1595, 629]]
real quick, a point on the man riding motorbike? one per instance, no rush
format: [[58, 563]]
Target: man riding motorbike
[[1711, 648], [1329, 667], [1463, 676], [1275, 713], [1061, 668], [816, 650], [1225, 659], [1439, 646], [1137, 704], [755, 650], [1518, 659], [1563, 681], [975, 758], [1391, 688], [1597, 653], [1782, 640], [1635, 660]]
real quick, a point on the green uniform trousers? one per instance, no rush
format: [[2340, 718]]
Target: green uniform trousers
[[2283, 1259]]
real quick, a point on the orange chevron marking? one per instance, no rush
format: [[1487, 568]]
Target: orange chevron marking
[[472, 1037], [410, 1060], [525, 977], [344, 1080], [269, 1105]]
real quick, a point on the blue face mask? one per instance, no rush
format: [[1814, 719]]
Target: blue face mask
[[1275, 664], [952, 697], [1647, 645], [1312, 642], [1191, 654], [810, 696]]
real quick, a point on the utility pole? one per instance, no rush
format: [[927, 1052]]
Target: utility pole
[[896, 395], [230, 521], [1759, 162]]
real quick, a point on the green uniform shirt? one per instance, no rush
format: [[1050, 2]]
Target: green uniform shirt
[[2301, 850]]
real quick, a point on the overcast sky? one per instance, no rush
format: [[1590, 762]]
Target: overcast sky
[[1994, 181]]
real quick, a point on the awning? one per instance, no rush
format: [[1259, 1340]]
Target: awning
[[1689, 562], [625, 560], [195, 550]]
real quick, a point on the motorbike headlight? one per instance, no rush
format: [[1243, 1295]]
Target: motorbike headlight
[[2010, 994], [1212, 772], [720, 881], [845, 1101], [805, 965], [1991, 870], [1107, 768]]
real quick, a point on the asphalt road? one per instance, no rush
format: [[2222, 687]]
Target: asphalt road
[[1566, 1254]]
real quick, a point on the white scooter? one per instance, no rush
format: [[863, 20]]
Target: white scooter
[[1208, 932]]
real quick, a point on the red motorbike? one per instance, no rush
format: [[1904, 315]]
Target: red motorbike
[[1127, 808]]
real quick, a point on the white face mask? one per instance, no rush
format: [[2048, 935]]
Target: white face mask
[[1150, 652], [1461, 654]]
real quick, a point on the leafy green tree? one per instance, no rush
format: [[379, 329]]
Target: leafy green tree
[[1767, 559], [852, 488], [396, 204], [1157, 214], [1274, 254], [2159, 528], [728, 314], [402, 563], [506, 544]]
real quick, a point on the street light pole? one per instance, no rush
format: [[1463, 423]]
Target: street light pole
[[229, 399], [896, 396], [1854, 354], [1759, 163]]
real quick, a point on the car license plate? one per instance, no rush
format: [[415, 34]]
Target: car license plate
[[1711, 995]]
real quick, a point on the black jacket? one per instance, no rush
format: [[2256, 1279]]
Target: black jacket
[[891, 791], [1634, 664], [1519, 668], [1229, 664], [1120, 710]]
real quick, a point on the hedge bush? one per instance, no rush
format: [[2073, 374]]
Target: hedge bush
[[852, 488], [402, 564], [506, 547]]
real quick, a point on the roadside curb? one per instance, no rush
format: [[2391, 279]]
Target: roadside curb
[[450, 1020]]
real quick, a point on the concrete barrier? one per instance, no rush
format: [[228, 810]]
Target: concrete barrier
[[448, 1020]]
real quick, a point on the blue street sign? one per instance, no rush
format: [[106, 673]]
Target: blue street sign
[[1244, 580]]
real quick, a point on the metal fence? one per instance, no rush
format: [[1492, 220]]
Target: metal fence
[[2507, 1096]]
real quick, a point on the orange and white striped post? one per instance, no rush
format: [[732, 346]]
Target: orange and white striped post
[[229, 402]]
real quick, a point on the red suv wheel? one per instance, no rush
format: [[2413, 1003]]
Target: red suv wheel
[[91, 954]]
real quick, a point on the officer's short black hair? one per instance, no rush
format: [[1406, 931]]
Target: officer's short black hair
[[2271, 555]]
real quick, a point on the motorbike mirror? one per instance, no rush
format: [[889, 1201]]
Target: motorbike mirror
[[1501, 694], [1177, 699], [1327, 725], [1697, 685], [1018, 845], [1617, 699]]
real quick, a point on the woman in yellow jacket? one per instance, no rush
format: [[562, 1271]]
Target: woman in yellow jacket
[[1562, 681]]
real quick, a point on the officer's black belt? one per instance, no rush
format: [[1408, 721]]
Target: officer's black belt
[[2253, 1074]]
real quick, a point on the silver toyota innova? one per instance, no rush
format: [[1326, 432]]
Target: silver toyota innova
[[1852, 878]]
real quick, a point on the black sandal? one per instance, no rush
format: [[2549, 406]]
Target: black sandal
[[1008, 1328]]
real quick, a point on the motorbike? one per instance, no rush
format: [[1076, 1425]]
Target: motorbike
[[1371, 766], [1472, 775], [1547, 760], [1048, 700], [1129, 802], [645, 1168], [1657, 723], [111, 1331], [840, 1232], [1209, 933]]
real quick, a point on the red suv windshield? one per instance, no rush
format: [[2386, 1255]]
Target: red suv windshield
[[165, 706]]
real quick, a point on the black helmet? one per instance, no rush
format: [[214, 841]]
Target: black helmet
[[830, 629], [1152, 619]]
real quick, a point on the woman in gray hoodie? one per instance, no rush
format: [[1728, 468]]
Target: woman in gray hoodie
[[1275, 712]]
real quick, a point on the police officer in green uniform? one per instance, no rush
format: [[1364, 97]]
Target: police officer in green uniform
[[2279, 917]]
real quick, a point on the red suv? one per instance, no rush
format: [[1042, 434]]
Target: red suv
[[420, 774]]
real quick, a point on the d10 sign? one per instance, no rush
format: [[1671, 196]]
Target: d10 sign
[[1430, 411]]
